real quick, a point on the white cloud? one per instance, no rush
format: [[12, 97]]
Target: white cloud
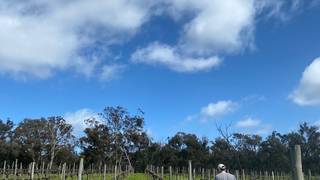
[[149, 132], [158, 54], [212, 30], [308, 90], [264, 129], [213, 111], [255, 126], [279, 9], [77, 119], [317, 123], [217, 109], [39, 37], [110, 72], [248, 123]]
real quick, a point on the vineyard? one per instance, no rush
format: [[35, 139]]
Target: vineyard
[[108, 172], [115, 146]]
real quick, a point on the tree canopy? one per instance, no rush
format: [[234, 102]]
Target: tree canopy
[[116, 136]]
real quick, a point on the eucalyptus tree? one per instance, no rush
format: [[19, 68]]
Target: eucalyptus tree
[[95, 144], [125, 131], [59, 136], [32, 136]]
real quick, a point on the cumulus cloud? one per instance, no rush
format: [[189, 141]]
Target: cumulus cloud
[[110, 72], [248, 123], [213, 110], [220, 108], [211, 30], [317, 123], [214, 29], [255, 126], [40, 37], [308, 90], [158, 54], [264, 129], [77, 119]]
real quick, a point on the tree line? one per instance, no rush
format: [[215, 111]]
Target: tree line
[[117, 137]]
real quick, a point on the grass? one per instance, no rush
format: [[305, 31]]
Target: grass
[[137, 176]]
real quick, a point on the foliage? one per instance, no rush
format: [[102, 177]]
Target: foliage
[[117, 136]]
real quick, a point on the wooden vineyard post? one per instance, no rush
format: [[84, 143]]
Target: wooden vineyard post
[[202, 173], [115, 172], [21, 168], [42, 168], [237, 174], [80, 169], [243, 175], [309, 174], [104, 171], [15, 169], [296, 163], [272, 175], [32, 170], [63, 173], [266, 175], [162, 172], [73, 169], [4, 169], [190, 170]]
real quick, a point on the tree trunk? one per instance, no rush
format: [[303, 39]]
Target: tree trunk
[[52, 155]]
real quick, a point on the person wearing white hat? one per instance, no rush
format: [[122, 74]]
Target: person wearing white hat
[[223, 175]]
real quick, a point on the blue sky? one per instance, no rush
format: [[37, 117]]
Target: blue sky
[[189, 65]]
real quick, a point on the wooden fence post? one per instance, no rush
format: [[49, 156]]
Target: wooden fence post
[[15, 169], [162, 172], [243, 175], [115, 172], [21, 168], [104, 171], [214, 173], [73, 169], [266, 175], [63, 173], [237, 174], [309, 174], [4, 169], [272, 175], [170, 173], [32, 170], [190, 170], [80, 169], [296, 163], [202, 173], [42, 168]]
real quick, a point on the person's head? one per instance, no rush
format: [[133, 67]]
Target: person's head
[[221, 167]]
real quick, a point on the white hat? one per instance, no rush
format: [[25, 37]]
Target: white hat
[[221, 167]]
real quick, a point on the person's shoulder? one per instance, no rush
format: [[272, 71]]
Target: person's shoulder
[[220, 176], [231, 175], [222, 173]]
